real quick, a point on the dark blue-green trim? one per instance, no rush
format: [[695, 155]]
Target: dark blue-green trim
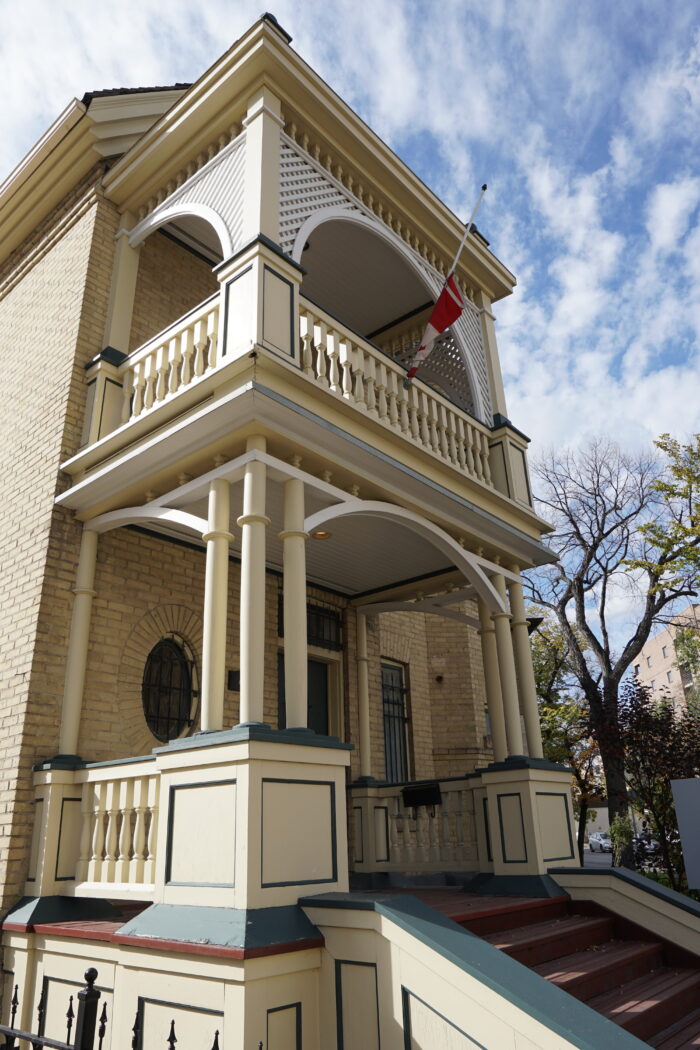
[[339, 963], [487, 828], [254, 731], [61, 762], [260, 238], [334, 838], [490, 885], [358, 810], [569, 830], [57, 877], [511, 794], [222, 927], [30, 911], [110, 354], [633, 878], [143, 999], [480, 514], [517, 984], [119, 762], [503, 421], [267, 343], [406, 996], [267, 17], [523, 762], [277, 1009], [169, 841], [46, 983], [35, 803]]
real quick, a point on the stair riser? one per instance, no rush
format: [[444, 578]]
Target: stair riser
[[558, 945], [486, 924], [584, 987], [663, 1014]]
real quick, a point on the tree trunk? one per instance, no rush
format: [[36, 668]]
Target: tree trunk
[[611, 753], [582, 818]]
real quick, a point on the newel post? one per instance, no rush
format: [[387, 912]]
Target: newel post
[[88, 998]]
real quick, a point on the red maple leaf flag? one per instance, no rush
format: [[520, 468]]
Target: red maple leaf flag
[[446, 311]]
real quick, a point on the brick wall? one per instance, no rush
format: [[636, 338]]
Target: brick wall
[[170, 281]]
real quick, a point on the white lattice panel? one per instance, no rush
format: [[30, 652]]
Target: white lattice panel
[[218, 185], [305, 187]]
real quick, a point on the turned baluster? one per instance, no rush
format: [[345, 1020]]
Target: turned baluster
[[86, 810], [423, 419], [98, 834], [474, 441], [187, 348], [345, 358], [485, 459], [396, 844], [451, 428], [393, 397], [358, 372], [434, 820], [161, 375], [149, 390], [461, 449], [127, 391], [446, 845], [200, 346], [443, 431], [306, 325], [382, 404], [111, 837], [433, 424], [126, 809], [371, 384], [212, 337], [138, 858], [320, 339], [404, 408], [333, 353], [150, 865], [139, 386], [459, 826], [174, 365]]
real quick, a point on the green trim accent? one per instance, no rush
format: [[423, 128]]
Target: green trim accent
[[334, 839], [383, 860], [562, 795], [46, 989], [487, 884], [490, 519], [31, 911], [503, 421], [654, 889], [223, 927], [61, 762], [515, 983], [277, 1009], [406, 996], [357, 816], [111, 355], [511, 794], [523, 762], [57, 877], [169, 841], [267, 343], [339, 964], [253, 731], [261, 238], [144, 999], [487, 828], [119, 762]]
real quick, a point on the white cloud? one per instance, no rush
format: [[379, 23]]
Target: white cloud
[[669, 211]]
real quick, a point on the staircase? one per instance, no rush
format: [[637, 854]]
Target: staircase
[[648, 987]]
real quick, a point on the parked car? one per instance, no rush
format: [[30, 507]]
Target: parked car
[[600, 842]]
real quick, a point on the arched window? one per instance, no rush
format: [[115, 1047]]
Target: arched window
[[167, 689]]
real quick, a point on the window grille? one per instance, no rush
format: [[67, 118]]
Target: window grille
[[394, 694], [324, 625], [166, 690]]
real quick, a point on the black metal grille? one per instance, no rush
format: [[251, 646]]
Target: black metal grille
[[167, 690], [395, 723], [324, 626]]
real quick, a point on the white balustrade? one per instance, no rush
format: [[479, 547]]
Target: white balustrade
[[340, 361], [422, 838], [172, 361], [119, 825]]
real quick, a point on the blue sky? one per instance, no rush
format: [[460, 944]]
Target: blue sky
[[584, 119]]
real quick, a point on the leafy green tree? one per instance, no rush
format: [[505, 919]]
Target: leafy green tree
[[566, 736], [620, 523]]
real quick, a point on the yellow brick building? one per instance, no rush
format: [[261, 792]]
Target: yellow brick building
[[256, 590]]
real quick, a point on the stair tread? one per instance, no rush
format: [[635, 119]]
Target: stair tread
[[633, 998], [520, 936], [568, 968], [683, 1035]]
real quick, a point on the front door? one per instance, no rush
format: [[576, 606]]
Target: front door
[[317, 713]]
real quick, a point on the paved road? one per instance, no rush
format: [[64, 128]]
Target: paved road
[[596, 860]]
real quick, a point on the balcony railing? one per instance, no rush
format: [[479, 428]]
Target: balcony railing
[[390, 835], [337, 359]]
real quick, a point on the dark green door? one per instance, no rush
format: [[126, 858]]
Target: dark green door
[[318, 696]]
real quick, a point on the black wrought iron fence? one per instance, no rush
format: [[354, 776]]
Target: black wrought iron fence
[[83, 1027]]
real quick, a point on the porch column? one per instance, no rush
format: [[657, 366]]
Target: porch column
[[494, 699], [253, 523], [78, 644], [506, 667], [363, 697], [523, 661], [217, 538], [295, 629], [123, 289]]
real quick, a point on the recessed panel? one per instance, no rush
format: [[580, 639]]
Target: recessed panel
[[202, 834], [298, 832]]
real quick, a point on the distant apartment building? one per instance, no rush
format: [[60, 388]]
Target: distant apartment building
[[658, 665]]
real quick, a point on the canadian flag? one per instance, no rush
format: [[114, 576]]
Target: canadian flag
[[446, 311]]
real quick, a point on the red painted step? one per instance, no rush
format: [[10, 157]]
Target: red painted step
[[595, 970], [649, 1004], [550, 940], [683, 1035]]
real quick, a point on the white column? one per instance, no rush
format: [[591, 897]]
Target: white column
[[76, 662], [123, 290], [217, 538], [253, 523], [506, 668], [295, 627], [492, 679], [523, 662], [363, 697]]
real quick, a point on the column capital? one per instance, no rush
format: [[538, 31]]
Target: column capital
[[251, 519], [216, 534], [290, 534]]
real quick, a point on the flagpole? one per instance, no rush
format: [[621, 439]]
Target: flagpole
[[424, 348]]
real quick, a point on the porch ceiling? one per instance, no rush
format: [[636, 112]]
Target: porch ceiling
[[362, 554]]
